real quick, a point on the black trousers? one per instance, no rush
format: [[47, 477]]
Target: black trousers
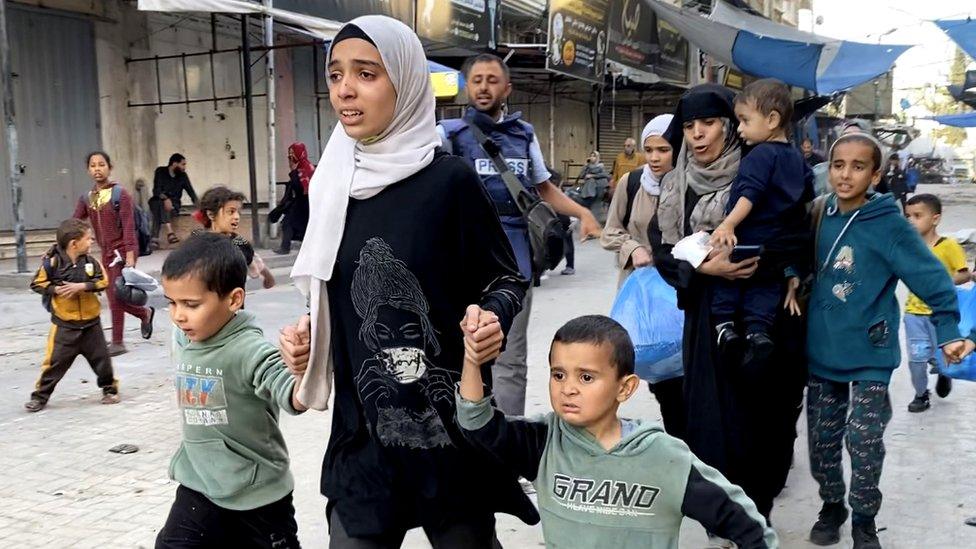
[[570, 250], [670, 397], [474, 534], [756, 300], [287, 235], [63, 347], [195, 521]]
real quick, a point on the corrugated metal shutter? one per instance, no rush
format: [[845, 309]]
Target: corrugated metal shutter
[[525, 8], [616, 125], [56, 97]]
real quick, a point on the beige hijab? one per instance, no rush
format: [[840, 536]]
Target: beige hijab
[[712, 184]]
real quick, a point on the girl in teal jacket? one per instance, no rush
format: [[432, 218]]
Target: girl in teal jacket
[[864, 246]]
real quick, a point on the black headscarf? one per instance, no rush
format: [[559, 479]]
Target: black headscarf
[[702, 101]]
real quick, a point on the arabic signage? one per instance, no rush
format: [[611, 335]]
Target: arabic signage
[[672, 58], [344, 10], [632, 30], [578, 38], [471, 24]]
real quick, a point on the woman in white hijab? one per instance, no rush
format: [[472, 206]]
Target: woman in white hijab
[[632, 208], [402, 243], [635, 199]]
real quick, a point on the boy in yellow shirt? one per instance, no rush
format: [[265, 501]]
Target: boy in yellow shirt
[[924, 211]]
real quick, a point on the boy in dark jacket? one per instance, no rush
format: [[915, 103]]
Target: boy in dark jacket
[[602, 481], [864, 246], [69, 281]]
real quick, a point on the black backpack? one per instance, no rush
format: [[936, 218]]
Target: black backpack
[[633, 183], [139, 217]]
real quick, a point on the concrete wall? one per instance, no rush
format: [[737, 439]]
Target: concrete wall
[[575, 134]]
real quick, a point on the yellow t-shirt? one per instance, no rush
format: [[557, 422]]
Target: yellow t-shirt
[[951, 254]]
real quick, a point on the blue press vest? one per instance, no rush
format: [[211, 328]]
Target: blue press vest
[[514, 136]]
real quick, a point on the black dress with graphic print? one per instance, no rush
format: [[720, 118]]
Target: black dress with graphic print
[[412, 258]]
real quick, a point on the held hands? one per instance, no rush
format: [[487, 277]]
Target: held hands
[[482, 336], [640, 258], [956, 351], [791, 304], [295, 342], [724, 235]]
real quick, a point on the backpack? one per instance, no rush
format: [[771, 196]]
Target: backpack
[[139, 217], [49, 272], [633, 184]]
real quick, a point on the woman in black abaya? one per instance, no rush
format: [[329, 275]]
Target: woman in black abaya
[[741, 419]]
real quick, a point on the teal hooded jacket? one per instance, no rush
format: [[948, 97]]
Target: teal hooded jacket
[[853, 314]]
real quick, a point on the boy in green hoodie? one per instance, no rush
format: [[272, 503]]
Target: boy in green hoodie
[[602, 481], [864, 246], [232, 465]]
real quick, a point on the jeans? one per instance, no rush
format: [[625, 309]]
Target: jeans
[[510, 369], [474, 534], [195, 521], [756, 301], [922, 348], [858, 412]]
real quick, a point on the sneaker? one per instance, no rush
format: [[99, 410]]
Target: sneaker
[[116, 349], [920, 404], [943, 386], [865, 536], [728, 339], [34, 405], [826, 531], [110, 398], [568, 271], [758, 347], [147, 325]]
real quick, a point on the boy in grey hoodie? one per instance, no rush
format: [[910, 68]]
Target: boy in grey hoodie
[[232, 464], [602, 481]]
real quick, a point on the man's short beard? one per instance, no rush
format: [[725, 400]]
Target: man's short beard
[[493, 109]]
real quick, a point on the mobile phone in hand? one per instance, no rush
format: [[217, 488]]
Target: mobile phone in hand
[[741, 253]]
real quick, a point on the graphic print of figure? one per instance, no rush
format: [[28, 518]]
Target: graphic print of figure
[[399, 380]]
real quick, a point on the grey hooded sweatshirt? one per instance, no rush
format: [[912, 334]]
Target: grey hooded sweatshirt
[[634, 495]]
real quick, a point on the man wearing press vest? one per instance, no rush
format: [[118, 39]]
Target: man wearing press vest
[[488, 87]]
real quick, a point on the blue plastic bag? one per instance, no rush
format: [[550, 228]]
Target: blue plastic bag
[[967, 311], [647, 307]]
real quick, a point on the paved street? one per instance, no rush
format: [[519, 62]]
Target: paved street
[[62, 487]]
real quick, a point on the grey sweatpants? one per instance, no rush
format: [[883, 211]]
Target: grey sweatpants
[[509, 372]]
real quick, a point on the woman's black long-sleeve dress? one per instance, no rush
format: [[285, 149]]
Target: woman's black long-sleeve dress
[[741, 422]]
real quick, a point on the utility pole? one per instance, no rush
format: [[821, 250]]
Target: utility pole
[[249, 119], [16, 193], [272, 107]]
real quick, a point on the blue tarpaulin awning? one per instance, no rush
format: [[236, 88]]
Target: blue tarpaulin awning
[[962, 32], [963, 120], [759, 47]]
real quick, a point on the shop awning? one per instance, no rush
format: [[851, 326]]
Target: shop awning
[[964, 120], [762, 48], [962, 32], [316, 26]]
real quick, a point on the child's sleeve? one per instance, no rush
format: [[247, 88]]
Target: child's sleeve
[[516, 442], [98, 281], [41, 283], [724, 509], [915, 265], [271, 379], [955, 257]]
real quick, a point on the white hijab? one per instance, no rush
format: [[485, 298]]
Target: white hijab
[[657, 126], [350, 168]]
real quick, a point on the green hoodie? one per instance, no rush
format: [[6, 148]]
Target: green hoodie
[[229, 389], [633, 496]]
